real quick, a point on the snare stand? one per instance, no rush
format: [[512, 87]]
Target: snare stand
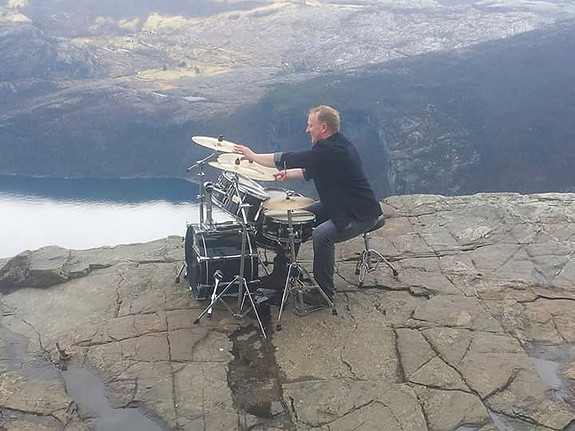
[[240, 279], [296, 276]]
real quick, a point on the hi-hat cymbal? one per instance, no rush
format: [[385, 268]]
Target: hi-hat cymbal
[[253, 170], [214, 143], [287, 203]]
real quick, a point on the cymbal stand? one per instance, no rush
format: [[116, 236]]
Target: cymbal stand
[[240, 279], [208, 189], [202, 194], [297, 275], [202, 199]]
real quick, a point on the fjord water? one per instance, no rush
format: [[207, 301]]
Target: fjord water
[[87, 213]]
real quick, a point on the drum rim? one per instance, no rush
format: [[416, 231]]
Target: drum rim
[[296, 218], [280, 189]]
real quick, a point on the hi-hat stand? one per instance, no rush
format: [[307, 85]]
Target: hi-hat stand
[[298, 279], [240, 278]]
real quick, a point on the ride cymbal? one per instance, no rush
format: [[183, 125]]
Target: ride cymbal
[[216, 144], [252, 170]]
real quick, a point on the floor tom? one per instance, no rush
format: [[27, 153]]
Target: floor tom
[[275, 226]]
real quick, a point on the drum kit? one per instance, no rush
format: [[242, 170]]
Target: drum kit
[[221, 259]]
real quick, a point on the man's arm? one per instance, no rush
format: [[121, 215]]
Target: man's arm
[[312, 158], [262, 159]]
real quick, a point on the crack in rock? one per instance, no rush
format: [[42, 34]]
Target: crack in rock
[[350, 368]]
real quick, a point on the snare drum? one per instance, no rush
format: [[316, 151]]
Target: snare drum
[[250, 192], [275, 225], [277, 192]]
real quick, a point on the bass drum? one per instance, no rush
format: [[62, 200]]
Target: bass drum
[[218, 249]]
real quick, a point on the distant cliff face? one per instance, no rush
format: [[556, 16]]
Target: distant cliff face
[[499, 114], [105, 93], [496, 117]]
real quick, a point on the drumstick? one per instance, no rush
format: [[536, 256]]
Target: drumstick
[[285, 171]]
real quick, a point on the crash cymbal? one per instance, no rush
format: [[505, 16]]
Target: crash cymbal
[[216, 144], [253, 170], [288, 203]]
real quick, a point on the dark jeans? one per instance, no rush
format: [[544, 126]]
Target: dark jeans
[[325, 236]]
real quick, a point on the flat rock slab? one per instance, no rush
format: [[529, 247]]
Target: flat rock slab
[[52, 265], [476, 331]]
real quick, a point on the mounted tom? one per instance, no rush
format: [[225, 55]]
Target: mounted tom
[[231, 191]]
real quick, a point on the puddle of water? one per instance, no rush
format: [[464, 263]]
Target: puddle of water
[[86, 388], [549, 361], [549, 371], [504, 423], [253, 376], [83, 385]]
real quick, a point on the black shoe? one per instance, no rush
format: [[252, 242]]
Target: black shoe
[[272, 282], [274, 296], [314, 299]]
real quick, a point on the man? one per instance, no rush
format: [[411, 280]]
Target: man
[[347, 206]]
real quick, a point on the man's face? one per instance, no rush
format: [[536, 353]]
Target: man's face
[[314, 128]]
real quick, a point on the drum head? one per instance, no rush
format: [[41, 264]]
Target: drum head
[[192, 265], [278, 193], [275, 192]]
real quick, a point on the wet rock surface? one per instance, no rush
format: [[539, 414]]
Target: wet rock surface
[[475, 333]]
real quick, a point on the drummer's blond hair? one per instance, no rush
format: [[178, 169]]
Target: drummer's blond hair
[[328, 115]]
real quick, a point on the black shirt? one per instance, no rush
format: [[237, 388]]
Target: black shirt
[[336, 170]]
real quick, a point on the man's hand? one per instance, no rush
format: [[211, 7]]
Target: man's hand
[[281, 176], [289, 174], [247, 152]]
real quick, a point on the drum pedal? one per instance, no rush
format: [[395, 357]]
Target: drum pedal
[[301, 308], [260, 297], [304, 278]]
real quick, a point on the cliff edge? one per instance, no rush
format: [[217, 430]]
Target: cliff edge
[[475, 332]]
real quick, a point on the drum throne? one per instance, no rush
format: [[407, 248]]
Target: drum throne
[[369, 257]]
